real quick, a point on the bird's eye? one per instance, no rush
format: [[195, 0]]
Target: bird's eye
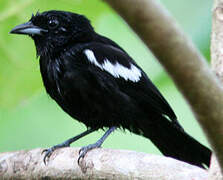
[[53, 23]]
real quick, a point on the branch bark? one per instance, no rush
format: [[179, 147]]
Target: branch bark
[[188, 68], [217, 66], [217, 39], [98, 164]]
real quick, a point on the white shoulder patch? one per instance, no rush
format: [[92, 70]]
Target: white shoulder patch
[[90, 55], [117, 70]]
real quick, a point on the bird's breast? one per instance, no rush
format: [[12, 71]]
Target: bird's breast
[[51, 71]]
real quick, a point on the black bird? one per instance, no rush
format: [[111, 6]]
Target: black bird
[[96, 82]]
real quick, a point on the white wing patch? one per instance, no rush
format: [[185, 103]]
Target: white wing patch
[[91, 57], [117, 70]]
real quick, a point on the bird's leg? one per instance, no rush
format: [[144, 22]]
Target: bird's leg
[[83, 151], [66, 143]]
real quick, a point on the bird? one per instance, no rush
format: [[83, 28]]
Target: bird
[[98, 83]]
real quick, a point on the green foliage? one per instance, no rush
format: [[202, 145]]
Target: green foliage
[[29, 118]]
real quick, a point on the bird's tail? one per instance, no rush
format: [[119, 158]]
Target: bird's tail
[[172, 141]]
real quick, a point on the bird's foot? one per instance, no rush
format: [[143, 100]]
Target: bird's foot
[[83, 151], [48, 152]]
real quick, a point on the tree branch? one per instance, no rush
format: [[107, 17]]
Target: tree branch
[[184, 63], [214, 171], [217, 39], [217, 66], [98, 164]]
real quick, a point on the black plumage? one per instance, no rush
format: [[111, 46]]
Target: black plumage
[[96, 82]]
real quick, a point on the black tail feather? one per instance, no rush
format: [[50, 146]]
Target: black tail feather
[[172, 141]]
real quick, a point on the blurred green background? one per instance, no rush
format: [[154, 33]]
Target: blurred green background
[[30, 119]]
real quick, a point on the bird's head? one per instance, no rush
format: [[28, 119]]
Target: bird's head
[[54, 30]]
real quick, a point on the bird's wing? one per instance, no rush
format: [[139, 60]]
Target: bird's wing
[[129, 77]]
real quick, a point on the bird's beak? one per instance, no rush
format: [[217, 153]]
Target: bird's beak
[[28, 28]]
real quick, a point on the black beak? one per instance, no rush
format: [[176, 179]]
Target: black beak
[[28, 28]]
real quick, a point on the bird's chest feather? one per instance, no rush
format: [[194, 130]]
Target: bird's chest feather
[[63, 85], [52, 71]]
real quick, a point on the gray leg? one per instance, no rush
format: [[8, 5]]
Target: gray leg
[[66, 143], [83, 151]]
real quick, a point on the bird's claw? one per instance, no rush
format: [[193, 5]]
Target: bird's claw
[[48, 153], [52, 149], [83, 151]]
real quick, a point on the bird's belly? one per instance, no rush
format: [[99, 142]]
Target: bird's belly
[[92, 106], [93, 113]]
